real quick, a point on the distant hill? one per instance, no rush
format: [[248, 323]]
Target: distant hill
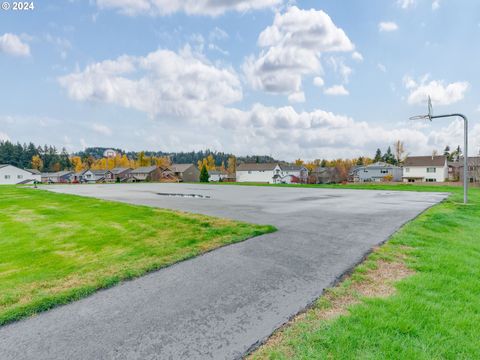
[[191, 157]]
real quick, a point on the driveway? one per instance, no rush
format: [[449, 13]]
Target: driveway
[[219, 305]]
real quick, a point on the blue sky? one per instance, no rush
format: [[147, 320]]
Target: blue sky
[[310, 79]]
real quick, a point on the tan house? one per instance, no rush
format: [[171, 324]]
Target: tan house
[[146, 173], [186, 172]]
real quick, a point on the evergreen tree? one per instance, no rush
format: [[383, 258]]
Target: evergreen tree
[[447, 153], [388, 157], [378, 156], [204, 174]]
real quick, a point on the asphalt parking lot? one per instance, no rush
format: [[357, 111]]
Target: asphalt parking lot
[[220, 304]]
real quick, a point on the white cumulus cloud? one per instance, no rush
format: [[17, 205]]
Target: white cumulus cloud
[[387, 26], [191, 7], [291, 49], [318, 81], [336, 90], [12, 44], [357, 56], [162, 82], [440, 92]]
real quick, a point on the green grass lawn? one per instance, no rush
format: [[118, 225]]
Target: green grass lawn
[[56, 248], [433, 314]]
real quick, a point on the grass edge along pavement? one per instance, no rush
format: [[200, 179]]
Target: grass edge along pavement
[[57, 248], [415, 297]]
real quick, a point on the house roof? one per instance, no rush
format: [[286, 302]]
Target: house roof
[[377, 165], [217, 172], [179, 168], [58, 173], [324, 169], [472, 161], [257, 167], [291, 167], [99, 172], [144, 170], [119, 170], [32, 171], [431, 160]]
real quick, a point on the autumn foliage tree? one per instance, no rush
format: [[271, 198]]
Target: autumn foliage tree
[[37, 162], [232, 165], [208, 162]]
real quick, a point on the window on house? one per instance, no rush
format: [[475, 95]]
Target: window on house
[[249, 172], [431, 170], [431, 180], [19, 176], [7, 176], [383, 171], [407, 170]]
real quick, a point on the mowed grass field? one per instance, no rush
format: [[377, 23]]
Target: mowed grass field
[[56, 248], [416, 297]]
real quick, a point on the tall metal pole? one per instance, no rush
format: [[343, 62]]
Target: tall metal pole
[[465, 152]]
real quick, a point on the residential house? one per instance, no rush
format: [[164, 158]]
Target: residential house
[[272, 173], [121, 174], [147, 173], [78, 177], [454, 170], [217, 175], [103, 176], [324, 175], [258, 172], [433, 168], [293, 174], [34, 172], [376, 172], [88, 177], [59, 177], [97, 176], [10, 175], [186, 172], [473, 171]]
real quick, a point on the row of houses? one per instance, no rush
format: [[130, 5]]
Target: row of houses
[[273, 173], [278, 173], [173, 173], [414, 169], [418, 169], [10, 174]]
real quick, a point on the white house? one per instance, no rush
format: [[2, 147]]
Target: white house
[[216, 175], [271, 173], [262, 173], [425, 169], [10, 175], [293, 174]]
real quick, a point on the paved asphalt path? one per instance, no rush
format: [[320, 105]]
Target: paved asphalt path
[[219, 305]]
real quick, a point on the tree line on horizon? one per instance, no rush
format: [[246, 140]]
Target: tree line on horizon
[[50, 159]]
